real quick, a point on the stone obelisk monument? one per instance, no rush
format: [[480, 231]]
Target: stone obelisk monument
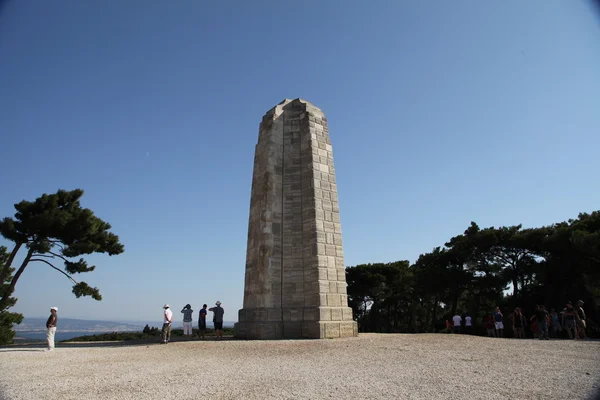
[[295, 284]]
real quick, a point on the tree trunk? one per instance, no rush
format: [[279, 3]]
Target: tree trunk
[[11, 287], [454, 302], [11, 257], [434, 313], [515, 282]]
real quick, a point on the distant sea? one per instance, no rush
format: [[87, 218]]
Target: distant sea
[[66, 335], [59, 336]]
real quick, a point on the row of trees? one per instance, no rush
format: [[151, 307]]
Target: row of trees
[[479, 270], [52, 229]]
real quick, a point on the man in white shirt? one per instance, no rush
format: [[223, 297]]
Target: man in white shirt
[[468, 324], [457, 320], [166, 329]]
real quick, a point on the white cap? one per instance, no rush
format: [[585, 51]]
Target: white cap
[[218, 303], [166, 306], [54, 308]]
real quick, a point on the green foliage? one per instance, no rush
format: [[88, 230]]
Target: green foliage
[[470, 274], [52, 228], [7, 319]]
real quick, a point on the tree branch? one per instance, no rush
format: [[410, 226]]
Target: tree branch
[[57, 243], [42, 255], [58, 255], [58, 269]]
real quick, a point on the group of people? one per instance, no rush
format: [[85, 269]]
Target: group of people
[[542, 323], [456, 325], [187, 312]]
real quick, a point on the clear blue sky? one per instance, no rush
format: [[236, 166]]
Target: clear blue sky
[[440, 113]]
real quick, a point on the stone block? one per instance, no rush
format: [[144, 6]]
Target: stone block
[[330, 250], [332, 274], [344, 299], [347, 314], [332, 330], [324, 274], [333, 287], [310, 314], [324, 314], [323, 286], [333, 300], [274, 314], [336, 314], [323, 299], [348, 329]]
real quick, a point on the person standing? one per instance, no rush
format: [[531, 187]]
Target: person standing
[[569, 322], [581, 324], [518, 324], [468, 325], [202, 322], [167, 321], [488, 322], [187, 320], [51, 327], [218, 318], [540, 315], [498, 322], [555, 327], [456, 320]]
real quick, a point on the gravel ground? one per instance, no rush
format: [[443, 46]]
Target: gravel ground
[[372, 366]]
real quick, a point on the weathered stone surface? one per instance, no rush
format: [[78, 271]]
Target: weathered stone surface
[[295, 285]]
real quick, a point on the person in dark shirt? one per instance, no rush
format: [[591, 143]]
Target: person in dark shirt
[[202, 322], [569, 321], [518, 324], [555, 327], [498, 317], [51, 327], [540, 315], [218, 318], [488, 322]]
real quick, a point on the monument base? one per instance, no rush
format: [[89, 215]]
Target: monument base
[[255, 324]]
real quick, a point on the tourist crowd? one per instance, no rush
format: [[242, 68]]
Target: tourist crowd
[[187, 312], [569, 323]]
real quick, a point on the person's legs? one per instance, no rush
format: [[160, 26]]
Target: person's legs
[[166, 333], [569, 329], [543, 328], [50, 338], [581, 330]]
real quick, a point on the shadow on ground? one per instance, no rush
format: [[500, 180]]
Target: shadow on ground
[[41, 346]]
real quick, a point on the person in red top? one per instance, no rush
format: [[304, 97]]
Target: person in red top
[[488, 322]]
